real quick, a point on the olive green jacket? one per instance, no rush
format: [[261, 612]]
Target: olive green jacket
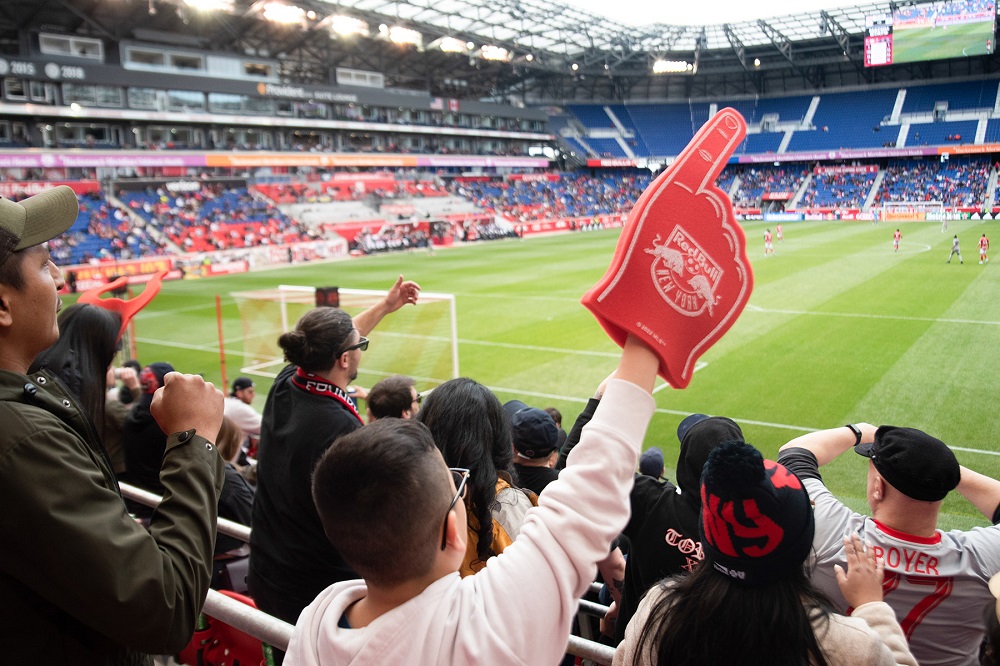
[[81, 582]]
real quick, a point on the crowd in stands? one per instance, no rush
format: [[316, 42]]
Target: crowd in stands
[[102, 232], [846, 190], [320, 192], [943, 12], [571, 195], [215, 218], [758, 181], [953, 183], [391, 238]]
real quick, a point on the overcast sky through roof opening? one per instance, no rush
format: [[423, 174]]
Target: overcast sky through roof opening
[[674, 12]]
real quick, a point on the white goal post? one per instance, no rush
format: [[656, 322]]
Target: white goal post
[[420, 341], [891, 211]]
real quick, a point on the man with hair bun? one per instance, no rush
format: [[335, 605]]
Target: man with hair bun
[[307, 409]]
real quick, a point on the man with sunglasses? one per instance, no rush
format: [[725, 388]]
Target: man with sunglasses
[[394, 510], [307, 409]]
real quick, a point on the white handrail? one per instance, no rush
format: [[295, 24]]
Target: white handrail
[[277, 633]]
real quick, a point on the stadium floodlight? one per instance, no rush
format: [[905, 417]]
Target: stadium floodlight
[[348, 25], [661, 66], [491, 52], [530, 57], [211, 5], [452, 45], [398, 34], [279, 12]]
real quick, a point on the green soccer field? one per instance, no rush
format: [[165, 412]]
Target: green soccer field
[[916, 44], [839, 329]]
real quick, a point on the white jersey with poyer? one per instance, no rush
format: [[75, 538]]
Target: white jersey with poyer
[[937, 586]]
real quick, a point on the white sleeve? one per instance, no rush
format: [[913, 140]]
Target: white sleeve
[[244, 416], [881, 619], [578, 516]]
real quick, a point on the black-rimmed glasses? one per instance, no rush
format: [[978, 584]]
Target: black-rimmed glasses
[[361, 344], [460, 475]]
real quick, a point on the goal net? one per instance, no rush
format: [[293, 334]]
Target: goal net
[[420, 341], [910, 211]]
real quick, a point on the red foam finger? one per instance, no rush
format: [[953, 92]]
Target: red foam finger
[[680, 275], [702, 160]]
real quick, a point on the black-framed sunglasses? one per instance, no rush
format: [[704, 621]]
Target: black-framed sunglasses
[[361, 344], [461, 477]]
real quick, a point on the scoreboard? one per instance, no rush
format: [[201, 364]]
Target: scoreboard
[[878, 40], [922, 31]]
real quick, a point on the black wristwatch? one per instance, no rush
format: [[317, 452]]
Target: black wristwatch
[[857, 433]]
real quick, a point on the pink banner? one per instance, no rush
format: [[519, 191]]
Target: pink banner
[[32, 187], [865, 168]]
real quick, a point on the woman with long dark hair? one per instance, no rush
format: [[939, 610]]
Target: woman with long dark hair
[[750, 601], [88, 342], [472, 431]]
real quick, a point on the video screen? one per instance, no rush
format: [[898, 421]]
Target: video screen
[[930, 31]]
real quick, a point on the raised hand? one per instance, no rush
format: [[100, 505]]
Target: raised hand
[[680, 275], [185, 402], [402, 293], [862, 582]]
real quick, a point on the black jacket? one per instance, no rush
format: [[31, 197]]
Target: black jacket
[[291, 560]]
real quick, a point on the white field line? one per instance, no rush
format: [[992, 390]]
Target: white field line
[[860, 315], [750, 306], [258, 368]]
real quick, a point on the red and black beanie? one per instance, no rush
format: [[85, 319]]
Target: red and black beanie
[[756, 520]]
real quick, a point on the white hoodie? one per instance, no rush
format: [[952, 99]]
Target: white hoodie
[[520, 608]]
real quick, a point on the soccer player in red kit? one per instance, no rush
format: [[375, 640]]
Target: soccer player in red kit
[[777, 230], [984, 245], [768, 246], [895, 240]]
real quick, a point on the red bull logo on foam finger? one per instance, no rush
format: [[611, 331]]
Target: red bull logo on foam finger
[[684, 274]]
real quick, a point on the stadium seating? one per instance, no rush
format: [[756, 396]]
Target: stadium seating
[[966, 95], [606, 147], [664, 128], [101, 232], [765, 142], [844, 190], [955, 183], [841, 120], [636, 143], [572, 195], [214, 218], [942, 134], [849, 120], [758, 181]]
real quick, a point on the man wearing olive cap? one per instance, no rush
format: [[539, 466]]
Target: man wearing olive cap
[[935, 581], [81, 582]]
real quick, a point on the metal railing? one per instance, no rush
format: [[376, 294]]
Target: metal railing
[[278, 633]]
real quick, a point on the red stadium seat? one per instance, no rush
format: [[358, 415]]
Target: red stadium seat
[[219, 644]]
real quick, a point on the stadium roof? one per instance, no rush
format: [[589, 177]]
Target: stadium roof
[[553, 52]]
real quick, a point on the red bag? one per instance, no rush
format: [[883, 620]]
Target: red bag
[[680, 275]]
